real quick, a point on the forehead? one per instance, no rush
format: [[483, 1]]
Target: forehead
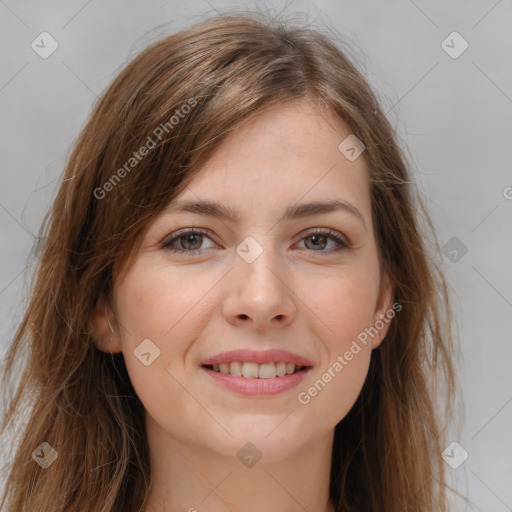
[[284, 155]]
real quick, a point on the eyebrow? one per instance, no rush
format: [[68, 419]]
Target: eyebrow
[[222, 211]]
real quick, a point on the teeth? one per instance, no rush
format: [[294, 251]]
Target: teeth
[[250, 370], [267, 371], [280, 369], [236, 369], [255, 370]]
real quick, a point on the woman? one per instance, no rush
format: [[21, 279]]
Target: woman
[[235, 307]]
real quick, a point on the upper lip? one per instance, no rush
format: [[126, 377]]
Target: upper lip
[[257, 356]]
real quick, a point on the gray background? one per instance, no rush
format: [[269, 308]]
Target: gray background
[[454, 115]]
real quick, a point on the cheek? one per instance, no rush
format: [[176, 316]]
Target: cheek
[[343, 312], [330, 394], [157, 304], [158, 311], [343, 304], [146, 318]]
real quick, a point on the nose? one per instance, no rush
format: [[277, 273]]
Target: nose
[[259, 292]]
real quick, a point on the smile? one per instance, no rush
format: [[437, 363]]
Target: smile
[[252, 384], [251, 370]]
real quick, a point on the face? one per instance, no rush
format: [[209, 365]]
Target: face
[[270, 289]]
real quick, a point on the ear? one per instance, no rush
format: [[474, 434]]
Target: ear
[[103, 329], [384, 311]]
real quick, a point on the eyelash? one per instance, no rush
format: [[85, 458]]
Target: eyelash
[[329, 233]]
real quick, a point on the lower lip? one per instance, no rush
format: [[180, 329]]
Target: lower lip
[[257, 387]]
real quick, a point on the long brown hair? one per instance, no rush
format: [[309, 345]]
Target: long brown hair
[[387, 450]]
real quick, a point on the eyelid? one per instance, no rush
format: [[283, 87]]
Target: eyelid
[[182, 232]]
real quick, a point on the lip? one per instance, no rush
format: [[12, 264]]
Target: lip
[[258, 356], [257, 387]]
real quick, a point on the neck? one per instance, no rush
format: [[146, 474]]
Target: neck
[[193, 478]]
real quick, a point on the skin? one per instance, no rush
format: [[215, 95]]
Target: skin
[[297, 296]]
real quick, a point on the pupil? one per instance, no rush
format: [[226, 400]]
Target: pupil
[[190, 238], [315, 237]]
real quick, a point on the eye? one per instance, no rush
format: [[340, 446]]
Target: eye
[[320, 237], [190, 241]]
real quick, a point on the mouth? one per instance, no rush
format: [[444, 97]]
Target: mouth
[[256, 373], [256, 380], [251, 370]]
